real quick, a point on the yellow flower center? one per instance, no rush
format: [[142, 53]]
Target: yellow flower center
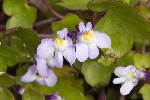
[[60, 44], [131, 74], [87, 36]]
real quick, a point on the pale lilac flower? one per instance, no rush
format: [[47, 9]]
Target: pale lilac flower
[[20, 90], [51, 52], [88, 42], [54, 96], [32, 75], [129, 76]]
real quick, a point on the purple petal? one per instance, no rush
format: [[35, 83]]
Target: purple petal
[[46, 48], [63, 33], [127, 87], [82, 27], [40, 80], [81, 51], [93, 51], [51, 62], [102, 40], [52, 79], [54, 96], [30, 75], [88, 26], [42, 66], [69, 54], [58, 59]]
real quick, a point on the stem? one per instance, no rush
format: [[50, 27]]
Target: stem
[[44, 22], [143, 48], [44, 35], [52, 10], [102, 95], [94, 18], [122, 97]]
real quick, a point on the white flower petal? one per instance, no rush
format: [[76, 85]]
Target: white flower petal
[[63, 33], [58, 59], [42, 66], [102, 40], [120, 71], [93, 51], [69, 54], [81, 51], [52, 79], [51, 62], [30, 75], [40, 80], [46, 48], [127, 87], [82, 27], [88, 26], [119, 80]]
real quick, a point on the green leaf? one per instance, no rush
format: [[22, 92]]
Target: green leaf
[[28, 37], [75, 4], [6, 80], [141, 61], [96, 74], [145, 91], [32, 94], [78, 65], [123, 24], [5, 94], [20, 48], [69, 22], [126, 60], [7, 56], [64, 89], [21, 14]]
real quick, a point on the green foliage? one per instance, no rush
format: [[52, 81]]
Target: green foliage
[[29, 39], [64, 89], [96, 74], [75, 4], [21, 14], [6, 80], [123, 24], [31, 94], [142, 61], [7, 57], [69, 22], [126, 60], [129, 1], [145, 91], [5, 94]]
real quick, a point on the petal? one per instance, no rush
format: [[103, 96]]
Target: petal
[[119, 80], [52, 79], [46, 48], [69, 54], [102, 40], [40, 80], [93, 51], [81, 51], [58, 59], [120, 71], [30, 75], [63, 33], [127, 87], [51, 62], [88, 26], [41, 66], [82, 27]]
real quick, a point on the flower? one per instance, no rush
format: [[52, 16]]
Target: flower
[[88, 42], [51, 52], [129, 76], [32, 74], [54, 96]]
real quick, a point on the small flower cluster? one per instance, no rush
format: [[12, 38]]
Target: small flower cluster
[[51, 52], [129, 76]]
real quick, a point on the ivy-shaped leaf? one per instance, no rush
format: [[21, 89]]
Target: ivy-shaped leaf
[[6, 80], [31, 94], [123, 24], [142, 61], [5, 94], [21, 14], [64, 89], [96, 73], [69, 22], [145, 91], [75, 4]]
